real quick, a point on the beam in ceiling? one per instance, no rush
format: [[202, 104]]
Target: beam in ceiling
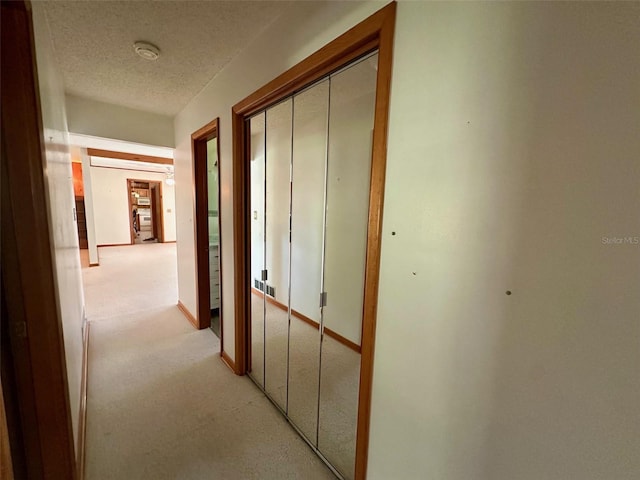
[[95, 152]]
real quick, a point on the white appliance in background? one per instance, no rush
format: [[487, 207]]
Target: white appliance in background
[[144, 201], [144, 214]]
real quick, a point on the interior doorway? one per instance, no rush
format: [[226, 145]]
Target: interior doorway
[[145, 211], [78, 191], [206, 159], [213, 226], [81, 220]]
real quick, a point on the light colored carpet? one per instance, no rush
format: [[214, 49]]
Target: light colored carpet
[[161, 404]]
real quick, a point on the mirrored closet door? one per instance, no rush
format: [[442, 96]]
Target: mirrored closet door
[[310, 171]]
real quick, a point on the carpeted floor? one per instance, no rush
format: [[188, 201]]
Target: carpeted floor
[[161, 404]]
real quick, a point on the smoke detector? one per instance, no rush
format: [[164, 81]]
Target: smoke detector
[[147, 50]]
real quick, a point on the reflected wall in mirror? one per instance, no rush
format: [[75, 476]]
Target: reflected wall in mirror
[[348, 179], [277, 217], [307, 219], [310, 170], [256, 132]]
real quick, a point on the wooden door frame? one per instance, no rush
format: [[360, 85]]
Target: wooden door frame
[[374, 33], [199, 140], [131, 234], [84, 212], [158, 210], [161, 216], [35, 377]]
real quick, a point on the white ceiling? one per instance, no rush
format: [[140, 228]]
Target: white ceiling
[[93, 42]]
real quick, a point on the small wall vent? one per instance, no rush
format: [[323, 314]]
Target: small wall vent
[[264, 288]]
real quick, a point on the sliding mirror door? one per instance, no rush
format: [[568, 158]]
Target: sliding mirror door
[[270, 170], [310, 181], [351, 117], [310, 118], [277, 218], [256, 128]]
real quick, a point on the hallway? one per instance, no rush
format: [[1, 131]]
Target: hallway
[[161, 404]]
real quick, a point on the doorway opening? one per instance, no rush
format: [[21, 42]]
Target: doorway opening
[[145, 211], [206, 160], [78, 192]]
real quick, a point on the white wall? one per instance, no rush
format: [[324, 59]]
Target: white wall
[[513, 150], [278, 165], [61, 202], [276, 226], [348, 182], [307, 202], [88, 207], [111, 204], [257, 181], [91, 117]]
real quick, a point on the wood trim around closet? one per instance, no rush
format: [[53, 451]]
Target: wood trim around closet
[[375, 32], [136, 157]]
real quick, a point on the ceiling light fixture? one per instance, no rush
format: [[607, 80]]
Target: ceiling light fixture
[[147, 50]]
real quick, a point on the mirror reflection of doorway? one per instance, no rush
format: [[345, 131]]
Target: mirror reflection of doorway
[[145, 211], [213, 224]]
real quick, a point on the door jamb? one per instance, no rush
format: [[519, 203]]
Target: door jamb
[[158, 208], [131, 234], [32, 329], [375, 32]]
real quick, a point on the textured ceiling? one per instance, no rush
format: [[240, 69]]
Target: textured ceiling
[[93, 42]]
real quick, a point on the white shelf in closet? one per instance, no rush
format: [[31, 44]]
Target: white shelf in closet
[[214, 276]]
